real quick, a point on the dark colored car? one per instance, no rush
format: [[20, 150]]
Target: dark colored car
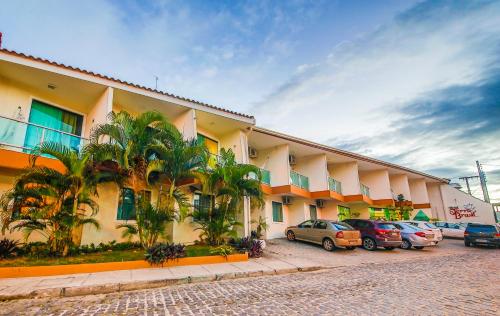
[[376, 234], [482, 234]]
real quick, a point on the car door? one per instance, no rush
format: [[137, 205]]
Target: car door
[[365, 227], [303, 231], [455, 230], [318, 232]]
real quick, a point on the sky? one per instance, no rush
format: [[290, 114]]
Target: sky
[[415, 83]]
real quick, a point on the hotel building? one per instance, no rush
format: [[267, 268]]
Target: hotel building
[[41, 100]]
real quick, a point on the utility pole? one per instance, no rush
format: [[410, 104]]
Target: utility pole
[[466, 179], [156, 82], [482, 180]]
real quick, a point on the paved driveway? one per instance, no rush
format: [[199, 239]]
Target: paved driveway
[[300, 251], [460, 281]]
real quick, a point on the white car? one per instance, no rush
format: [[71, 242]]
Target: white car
[[453, 230], [438, 236]]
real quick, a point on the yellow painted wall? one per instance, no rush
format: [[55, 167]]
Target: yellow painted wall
[[347, 174], [186, 124], [378, 182], [315, 168], [418, 191], [400, 185]]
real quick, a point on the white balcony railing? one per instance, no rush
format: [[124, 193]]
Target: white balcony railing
[[365, 190], [334, 185], [24, 136]]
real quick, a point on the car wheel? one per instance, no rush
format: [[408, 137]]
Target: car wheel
[[389, 248], [350, 248], [406, 245], [419, 247], [290, 235], [369, 244], [467, 244], [328, 244]]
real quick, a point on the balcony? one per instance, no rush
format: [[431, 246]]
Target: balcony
[[299, 180], [334, 185], [364, 190], [265, 176], [22, 136]]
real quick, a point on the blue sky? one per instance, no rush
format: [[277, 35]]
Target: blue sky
[[411, 82]]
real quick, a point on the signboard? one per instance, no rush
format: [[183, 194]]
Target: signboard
[[468, 210]]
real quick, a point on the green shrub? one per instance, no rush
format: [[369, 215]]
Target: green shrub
[[248, 244], [162, 252], [223, 250], [8, 248]]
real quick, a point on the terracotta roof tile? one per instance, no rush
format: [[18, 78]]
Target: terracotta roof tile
[[53, 63]]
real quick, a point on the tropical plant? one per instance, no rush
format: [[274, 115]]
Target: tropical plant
[[55, 203], [174, 162], [150, 224], [261, 227], [223, 250], [163, 252], [248, 244], [8, 248], [229, 183], [121, 145]]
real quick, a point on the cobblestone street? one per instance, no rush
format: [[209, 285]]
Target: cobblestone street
[[455, 284]]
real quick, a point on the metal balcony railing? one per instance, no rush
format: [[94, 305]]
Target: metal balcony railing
[[299, 180], [365, 190], [24, 136], [334, 185]]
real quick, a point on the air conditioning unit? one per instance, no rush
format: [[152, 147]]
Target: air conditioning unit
[[287, 200], [320, 203], [292, 160], [252, 152]]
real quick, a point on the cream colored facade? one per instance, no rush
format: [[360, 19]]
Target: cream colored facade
[[315, 180]]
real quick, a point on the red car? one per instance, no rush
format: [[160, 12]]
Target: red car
[[376, 234]]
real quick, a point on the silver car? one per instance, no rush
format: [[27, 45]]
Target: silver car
[[414, 236]]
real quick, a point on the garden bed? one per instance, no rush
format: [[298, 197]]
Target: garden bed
[[105, 261]]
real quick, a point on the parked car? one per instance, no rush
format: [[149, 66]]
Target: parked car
[[330, 234], [414, 236], [376, 234], [438, 235], [482, 234], [453, 230]]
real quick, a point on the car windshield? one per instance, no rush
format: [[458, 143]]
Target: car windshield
[[429, 225], [386, 226], [481, 228], [341, 226]]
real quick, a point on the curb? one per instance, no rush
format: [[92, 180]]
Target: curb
[[149, 284]]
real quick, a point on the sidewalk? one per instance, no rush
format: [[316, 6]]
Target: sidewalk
[[126, 280]]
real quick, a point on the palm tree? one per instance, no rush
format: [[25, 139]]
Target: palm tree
[[121, 145], [175, 162], [52, 202], [150, 224], [229, 183]]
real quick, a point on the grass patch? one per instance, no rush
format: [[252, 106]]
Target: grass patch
[[98, 257]]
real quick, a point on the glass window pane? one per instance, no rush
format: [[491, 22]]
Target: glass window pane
[[277, 212]]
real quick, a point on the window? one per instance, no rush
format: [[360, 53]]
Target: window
[[342, 226], [386, 226], [320, 225], [55, 121], [306, 224], [201, 204], [363, 224], [277, 212], [126, 206], [212, 147], [313, 212], [146, 195]]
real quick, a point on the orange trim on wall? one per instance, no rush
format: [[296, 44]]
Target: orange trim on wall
[[358, 198], [383, 202], [18, 272], [405, 203], [422, 205], [266, 189], [291, 189], [327, 194], [19, 160]]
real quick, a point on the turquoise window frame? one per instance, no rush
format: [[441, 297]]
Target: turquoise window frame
[[126, 205], [277, 212]]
